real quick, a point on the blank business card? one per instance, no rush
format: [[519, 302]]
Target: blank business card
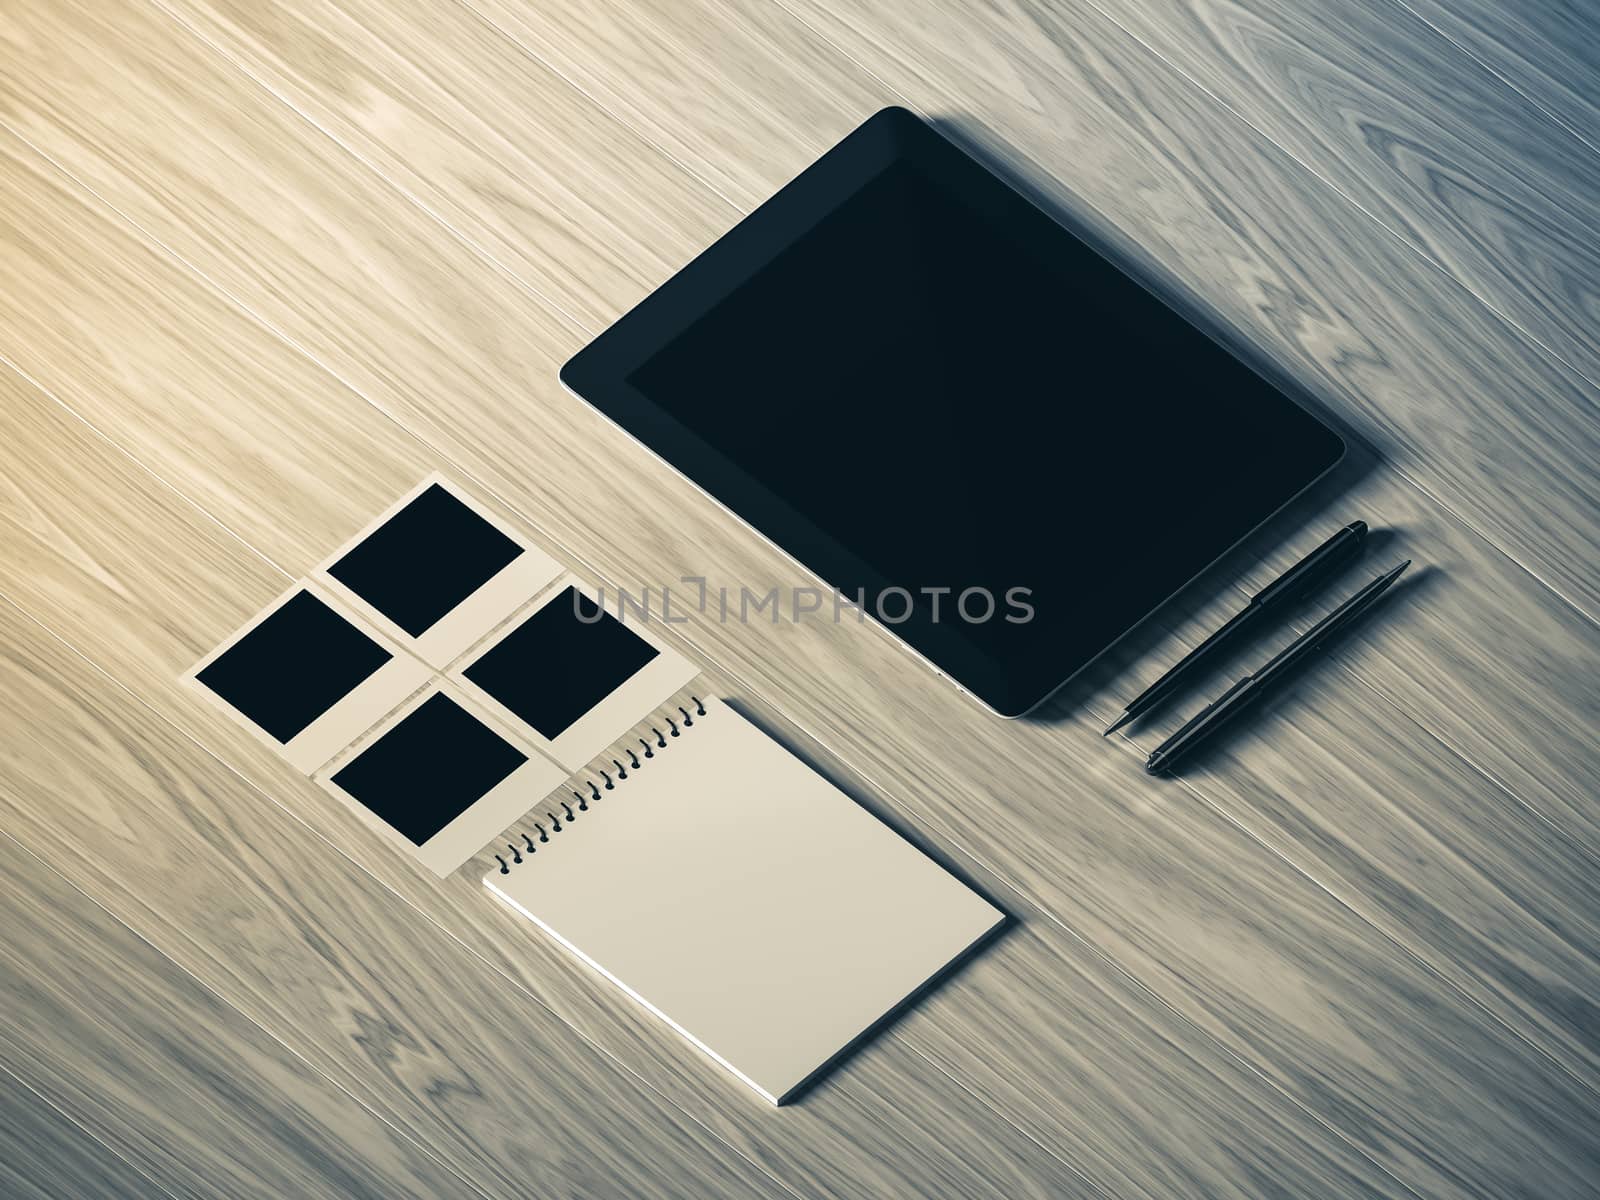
[[293, 666], [425, 560], [429, 768], [438, 570], [559, 663], [438, 781], [575, 676], [307, 678]]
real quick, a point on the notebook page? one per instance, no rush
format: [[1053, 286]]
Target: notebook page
[[747, 901]]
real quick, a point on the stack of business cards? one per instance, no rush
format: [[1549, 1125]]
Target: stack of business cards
[[439, 673]]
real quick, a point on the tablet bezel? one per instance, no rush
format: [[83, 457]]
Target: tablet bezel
[[599, 375]]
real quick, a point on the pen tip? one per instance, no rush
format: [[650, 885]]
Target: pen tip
[[1357, 527], [1117, 724], [1386, 579]]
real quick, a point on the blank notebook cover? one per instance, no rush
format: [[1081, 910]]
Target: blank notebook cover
[[747, 901]]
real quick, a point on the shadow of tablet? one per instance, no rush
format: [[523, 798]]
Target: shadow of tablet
[[834, 774], [1310, 507]]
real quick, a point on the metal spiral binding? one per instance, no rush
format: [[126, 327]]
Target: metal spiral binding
[[569, 814]]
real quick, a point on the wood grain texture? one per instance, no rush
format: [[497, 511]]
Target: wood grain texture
[[1286, 974], [44, 1154], [1380, 105], [1547, 51], [185, 1095], [1429, 848], [562, 197], [1440, 678]]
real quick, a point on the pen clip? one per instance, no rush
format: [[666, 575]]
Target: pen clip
[[1291, 587], [1313, 571], [1218, 702]]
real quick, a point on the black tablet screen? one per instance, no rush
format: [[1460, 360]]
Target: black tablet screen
[[931, 385]]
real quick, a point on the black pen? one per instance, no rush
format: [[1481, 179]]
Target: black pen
[[1228, 705], [1304, 576]]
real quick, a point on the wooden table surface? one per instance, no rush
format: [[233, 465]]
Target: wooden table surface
[[266, 264]]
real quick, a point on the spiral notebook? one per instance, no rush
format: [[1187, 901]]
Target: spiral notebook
[[739, 896]]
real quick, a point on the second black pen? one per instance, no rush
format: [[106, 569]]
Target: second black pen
[[1233, 701]]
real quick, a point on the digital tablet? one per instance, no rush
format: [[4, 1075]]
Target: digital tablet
[[947, 405]]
